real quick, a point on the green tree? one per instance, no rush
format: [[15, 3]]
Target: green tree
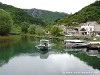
[[5, 22], [24, 27], [98, 21], [56, 30], [39, 30], [31, 29]]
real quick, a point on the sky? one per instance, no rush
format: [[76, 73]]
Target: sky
[[67, 6]]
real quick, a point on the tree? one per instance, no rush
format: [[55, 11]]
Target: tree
[[98, 21], [24, 27], [39, 30], [6, 22], [55, 31], [31, 29]]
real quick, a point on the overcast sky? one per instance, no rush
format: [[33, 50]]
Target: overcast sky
[[68, 6]]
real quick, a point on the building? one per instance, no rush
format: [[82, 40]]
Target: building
[[69, 30], [90, 28]]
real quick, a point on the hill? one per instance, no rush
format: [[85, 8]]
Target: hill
[[20, 15], [46, 16], [88, 13], [33, 16]]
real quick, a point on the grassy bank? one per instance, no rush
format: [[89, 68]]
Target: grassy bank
[[8, 38]]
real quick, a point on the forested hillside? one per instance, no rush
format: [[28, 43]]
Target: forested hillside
[[33, 16], [19, 15], [89, 13], [46, 16]]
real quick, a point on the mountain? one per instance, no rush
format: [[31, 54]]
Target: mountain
[[46, 16], [88, 13], [32, 16], [19, 15]]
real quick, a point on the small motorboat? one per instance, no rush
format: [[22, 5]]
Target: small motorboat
[[75, 43], [44, 45]]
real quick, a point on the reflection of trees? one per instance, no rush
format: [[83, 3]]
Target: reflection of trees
[[92, 61], [58, 47], [5, 54], [25, 46], [1, 62], [9, 51]]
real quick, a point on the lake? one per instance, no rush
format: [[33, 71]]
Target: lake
[[23, 58]]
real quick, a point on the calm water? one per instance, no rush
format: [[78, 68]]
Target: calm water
[[23, 58]]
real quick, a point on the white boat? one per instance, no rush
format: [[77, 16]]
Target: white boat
[[94, 42], [44, 45], [75, 43]]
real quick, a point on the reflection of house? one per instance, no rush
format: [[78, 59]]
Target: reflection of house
[[89, 28]]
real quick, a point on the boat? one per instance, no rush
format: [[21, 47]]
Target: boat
[[75, 43], [94, 46], [44, 45]]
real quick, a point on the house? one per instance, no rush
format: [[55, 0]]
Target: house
[[66, 30], [90, 28]]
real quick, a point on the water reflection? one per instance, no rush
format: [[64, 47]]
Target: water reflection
[[44, 55], [89, 60], [23, 58]]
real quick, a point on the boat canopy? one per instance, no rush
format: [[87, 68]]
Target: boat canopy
[[44, 41]]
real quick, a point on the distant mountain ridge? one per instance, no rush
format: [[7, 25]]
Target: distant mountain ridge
[[19, 15], [47, 16], [33, 16]]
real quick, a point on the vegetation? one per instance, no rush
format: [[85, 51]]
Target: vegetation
[[31, 29], [89, 13], [39, 30], [33, 20], [55, 30], [24, 27], [5, 22], [6, 40], [23, 20], [46, 16], [32, 16], [19, 15], [15, 30]]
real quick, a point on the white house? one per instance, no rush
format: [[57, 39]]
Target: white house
[[89, 27]]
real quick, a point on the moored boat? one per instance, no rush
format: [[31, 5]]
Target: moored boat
[[44, 45], [75, 43]]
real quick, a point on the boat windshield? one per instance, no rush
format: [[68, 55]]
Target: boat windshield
[[44, 42]]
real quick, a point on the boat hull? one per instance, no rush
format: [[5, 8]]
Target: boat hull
[[43, 47], [80, 46]]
